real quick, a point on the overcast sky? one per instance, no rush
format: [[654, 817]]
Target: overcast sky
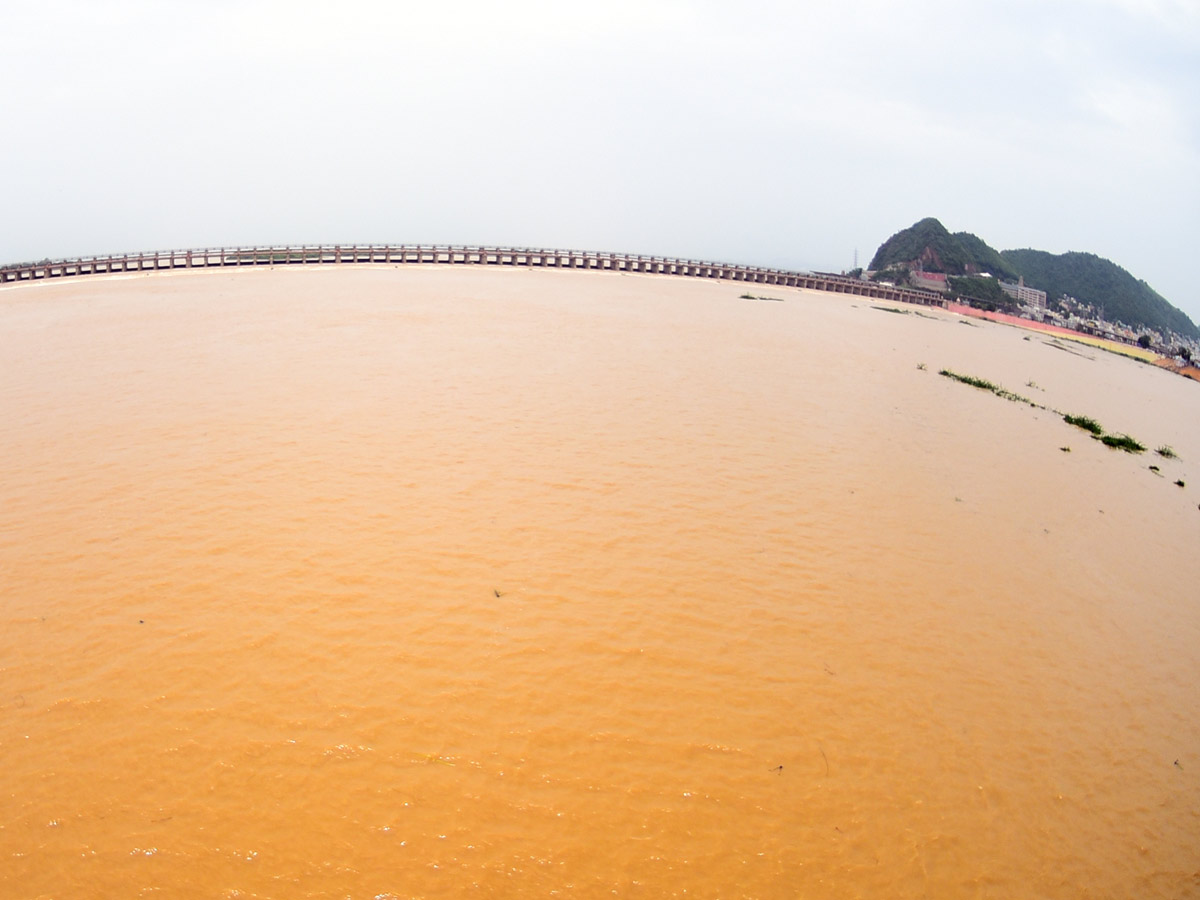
[[788, 134]]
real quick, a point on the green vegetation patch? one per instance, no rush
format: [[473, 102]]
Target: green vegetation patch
[[1085, 423], [985, 385], [970, 379], [1122, 442], [1116, 441], [1166, 452]]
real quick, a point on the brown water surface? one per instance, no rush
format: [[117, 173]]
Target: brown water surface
[[428, 582]]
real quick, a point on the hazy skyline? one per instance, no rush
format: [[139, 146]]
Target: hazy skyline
[[787, 134]]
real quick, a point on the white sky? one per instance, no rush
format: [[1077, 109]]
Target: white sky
[[786, 134]]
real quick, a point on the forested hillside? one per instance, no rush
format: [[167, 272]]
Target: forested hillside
[[1102, 283], [1115, 293]]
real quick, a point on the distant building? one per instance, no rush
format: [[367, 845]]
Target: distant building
[[929, 281], [1026, 296]]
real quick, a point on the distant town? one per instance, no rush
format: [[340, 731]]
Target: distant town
[[1087, 294]]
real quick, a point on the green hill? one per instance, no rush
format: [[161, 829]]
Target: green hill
[[1084, 276], [937, 250], [1103, 284], [986, 258], [927, 242]]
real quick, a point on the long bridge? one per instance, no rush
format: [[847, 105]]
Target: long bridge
[[415, 254]]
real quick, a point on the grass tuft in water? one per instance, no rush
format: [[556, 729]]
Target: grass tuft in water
[[1166, 452], [1085, 423], [985, 385], [971, 380], [1122, 442]]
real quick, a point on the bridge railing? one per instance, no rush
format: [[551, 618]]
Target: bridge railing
[[449, 254]]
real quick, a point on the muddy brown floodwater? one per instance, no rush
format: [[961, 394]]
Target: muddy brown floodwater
[[383, 582]]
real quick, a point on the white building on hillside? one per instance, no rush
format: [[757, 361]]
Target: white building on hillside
[[1025, 295]]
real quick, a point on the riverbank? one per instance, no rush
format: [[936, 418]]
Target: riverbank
[[1139, 353]]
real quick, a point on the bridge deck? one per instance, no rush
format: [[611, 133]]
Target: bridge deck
[[408, 254]]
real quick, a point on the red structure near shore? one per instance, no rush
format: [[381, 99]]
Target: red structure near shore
[[1007, 319]]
